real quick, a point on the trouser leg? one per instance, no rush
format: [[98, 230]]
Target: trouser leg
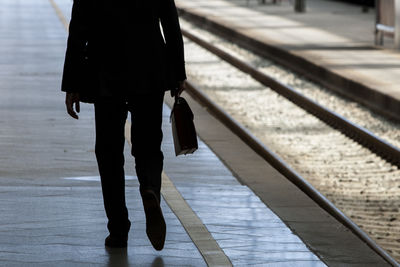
[[110, 117], [146, 137]]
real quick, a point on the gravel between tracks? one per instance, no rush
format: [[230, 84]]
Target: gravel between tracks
[[358, 182]]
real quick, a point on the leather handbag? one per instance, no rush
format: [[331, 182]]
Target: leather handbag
[[183, 130]]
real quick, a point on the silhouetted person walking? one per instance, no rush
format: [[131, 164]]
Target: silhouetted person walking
[[118, 59]]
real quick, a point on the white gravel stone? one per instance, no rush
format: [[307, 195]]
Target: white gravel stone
[[361, 184]]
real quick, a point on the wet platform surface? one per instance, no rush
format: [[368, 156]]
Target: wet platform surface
[[52, 211], [333, 40]]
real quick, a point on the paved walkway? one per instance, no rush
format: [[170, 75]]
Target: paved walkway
[[331, 43], [51, 204]]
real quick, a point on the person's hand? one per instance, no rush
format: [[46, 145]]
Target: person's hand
[[181, 87], [70, 100]]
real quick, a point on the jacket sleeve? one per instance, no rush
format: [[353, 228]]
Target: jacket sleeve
[[76, 45], [173, 39]]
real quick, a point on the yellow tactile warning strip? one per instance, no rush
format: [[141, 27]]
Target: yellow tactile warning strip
[[201, 237], [59, 14]]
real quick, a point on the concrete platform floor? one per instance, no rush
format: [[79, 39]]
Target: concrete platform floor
[[52, 211]]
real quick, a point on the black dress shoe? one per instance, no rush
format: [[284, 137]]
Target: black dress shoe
[[155, 223], [114, 241]]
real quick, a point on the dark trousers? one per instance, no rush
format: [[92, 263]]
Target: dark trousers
[[146, 137]]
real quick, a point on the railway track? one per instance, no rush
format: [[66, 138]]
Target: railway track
[[352, 130], [356, 189]]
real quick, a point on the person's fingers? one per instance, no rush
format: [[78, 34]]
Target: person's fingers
[[70, 99], [179, 92], [68, 104], [70, 109], [77, 106], [67, 101], [181, 89], [72, 113]]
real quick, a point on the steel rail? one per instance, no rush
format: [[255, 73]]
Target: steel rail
[[359, 134], [387, 106], [285, 169]]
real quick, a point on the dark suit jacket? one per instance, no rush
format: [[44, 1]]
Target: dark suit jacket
[[116, 47]]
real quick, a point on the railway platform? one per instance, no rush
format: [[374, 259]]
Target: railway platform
[[332, 44], [224, 205]]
